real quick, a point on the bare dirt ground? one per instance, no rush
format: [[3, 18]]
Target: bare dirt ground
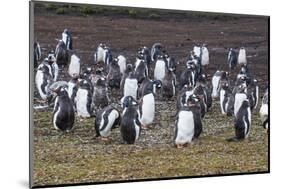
[[79, 157]]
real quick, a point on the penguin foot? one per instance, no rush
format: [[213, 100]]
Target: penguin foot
[[104, 138], [179, 146], [144, 127]]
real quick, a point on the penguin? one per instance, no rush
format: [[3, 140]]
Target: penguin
[[169, 84], [264, 111], [253, 93], [50, 61], [244, 72], [114, 75], [202, 81], [63, 114], [197, 50], [204, 55], [100, 96], [187, 77], [242, 113], [242, 58], [107, 56], [106, 119], [147, 105], [130, 86], [194, 63], [122, 63], [160, 68], [72, 90], [74, 66], [183, 96], [147, 57], [61, 54], [225, 98], [188, 125], [215, 84], [129, 69], [36, 53], [156, 50], [83, 99], [141, 71], [130, 125], [99, 54], [67, 39], [43, 80], [232, 59]]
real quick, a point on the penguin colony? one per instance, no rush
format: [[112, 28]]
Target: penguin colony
[[151, 77]]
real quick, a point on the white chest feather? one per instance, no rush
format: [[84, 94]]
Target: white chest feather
[[137, 63], [113, 115], [185, 127], [148, 109], [159, 71], [215, 83], [242, 59], [222, 96], [100, 54], [197, 51], [74, 66], [39, 79], [70, 88], [239, 99], [205, 56], [122, 63], [131, 87], [81, 103]]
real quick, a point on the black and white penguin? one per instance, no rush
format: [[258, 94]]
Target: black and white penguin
[[147, 84], [63, 114], [147, 104], [204, 55], [253, 93], [83, 99], [202, 81], [100, 96], [242, 113], [99, 54], [50, 61], [67, 39], [141, 71], [43, 80], [187, 77], [74, 66], [244, 72], [122, 62], [61, 54], [226, 99], [36, 54], [128, 70], [147, 57], [218, 76], [201, 94], [106, 119], [130, 86], [160, 68], [168, 89], [264, 111], [232, 59], [156, 50], [197, 50], [114, 75], [242, 58], [188, 123], [130, 122]]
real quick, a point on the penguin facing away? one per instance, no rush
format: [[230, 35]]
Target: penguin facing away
[[83, 99], [130, 124], [169, 84], [114, 75], [100, 95], [106, 119], [141, 71], [63, 114], [61, 54]]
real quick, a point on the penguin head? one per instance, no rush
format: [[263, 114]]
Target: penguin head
[[83, 83], [66, 31], [101, 82], [157, 83], [129, 101], [192, 100], [242, 88]]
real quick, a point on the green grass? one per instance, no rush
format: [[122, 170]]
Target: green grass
[[79, 157]]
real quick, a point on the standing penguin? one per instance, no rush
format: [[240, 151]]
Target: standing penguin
[[130, 122], [188, 123], [36, 53], [242, 58], [106, 119], [187, 77], [43, 80], [242, 113], [130, 86], [100, 96], [67, 39], [74, 66], [232, 59], [264, 111], [72, 89], [146, 85], [169, 84], [253, 93], [147, 57], [197, 50], [114, 75], [201, 94], [160, 68], [83, 99], [129, 69], [204, 56], [156, 50], [99, 54], [122, 63], [183, 95], [61, 54], [225, 98], [141, 71], [147, 105], [63, 114]]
